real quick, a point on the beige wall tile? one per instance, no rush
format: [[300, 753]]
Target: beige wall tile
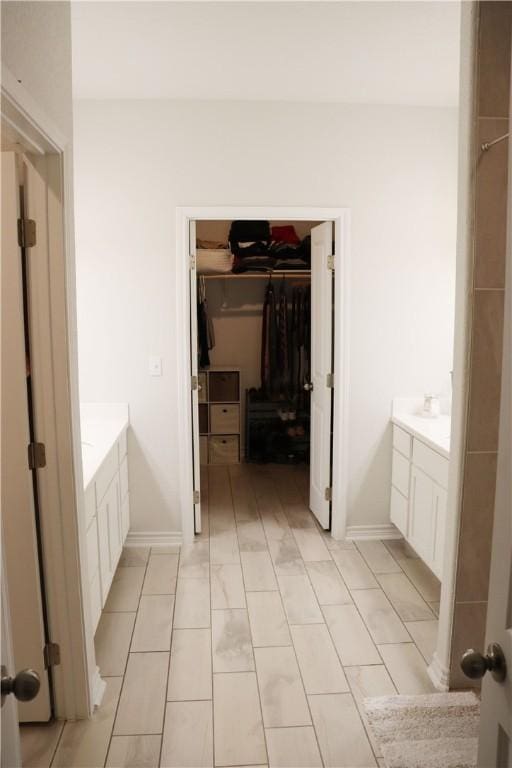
[[353, 569], [283, 702], [476, 527], [485, 374], [188, 735], [236, 701], [154, 624], [329, 587], [350, 635], [161, 575], [267, 618], [494, 58], [318, 661], [112, 642], [292, 748], [407, 668], [341, 734], [190, 672], [379, 616], [125, 590], [134, 752], [142, 701], [227, 586], [231, 641], [491, 206], [468, 632], [84, 743]]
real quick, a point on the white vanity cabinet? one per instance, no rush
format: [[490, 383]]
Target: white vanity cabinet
[[418, 495], [107, 520]]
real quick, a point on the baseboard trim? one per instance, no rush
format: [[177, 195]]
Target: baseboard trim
[[170, 539], [386, 531], [439, 674], [98, 687]]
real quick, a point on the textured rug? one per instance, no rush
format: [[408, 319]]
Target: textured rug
[[438, 730]]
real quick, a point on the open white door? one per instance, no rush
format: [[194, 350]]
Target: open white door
[[11, 755], [196, 461], [321, 372], [495, 747], [20, 543]]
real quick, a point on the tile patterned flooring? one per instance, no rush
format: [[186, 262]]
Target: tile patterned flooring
[[255, 645]]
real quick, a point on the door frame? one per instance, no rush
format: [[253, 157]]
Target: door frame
[[55, 370], [341, 220]]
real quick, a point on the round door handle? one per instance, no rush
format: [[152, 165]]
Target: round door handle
[[308, 386], [474, 664], [25, 685]]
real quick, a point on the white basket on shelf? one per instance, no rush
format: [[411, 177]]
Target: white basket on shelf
[[214, 261]]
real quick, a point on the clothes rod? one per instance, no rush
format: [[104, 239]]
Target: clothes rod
[[258, 276], [488, 144]]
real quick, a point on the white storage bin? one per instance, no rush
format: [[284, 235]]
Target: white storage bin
[[212, 261]]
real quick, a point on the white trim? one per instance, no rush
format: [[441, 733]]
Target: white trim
[[362, 532], [439, 674], [57, 398], [99, 687], [154, 539], [341, 219]]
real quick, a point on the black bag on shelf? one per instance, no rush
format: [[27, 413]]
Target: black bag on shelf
[[249, 238]]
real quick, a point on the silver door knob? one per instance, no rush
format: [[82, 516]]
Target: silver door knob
[[474, 664], [308, 386], [25, 685]]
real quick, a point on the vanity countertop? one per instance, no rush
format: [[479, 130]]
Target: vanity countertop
[[100, 424], [434, 432]]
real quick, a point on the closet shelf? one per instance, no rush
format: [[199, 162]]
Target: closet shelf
[[259, 275]]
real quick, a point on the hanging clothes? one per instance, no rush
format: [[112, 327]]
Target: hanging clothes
[[269, 349], [205, 331], [282, 366]]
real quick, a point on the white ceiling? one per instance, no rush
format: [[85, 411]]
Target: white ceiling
[[355, 52]]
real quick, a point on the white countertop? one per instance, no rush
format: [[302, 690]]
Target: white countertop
[[100, 424], [434, 432]]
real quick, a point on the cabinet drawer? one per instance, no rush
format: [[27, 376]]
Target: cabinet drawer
[[90, 504], [202, 393], [123, 447], [203, 419], [399, 510], [123, 477], [400, 473], [421, 525], [224, 449], [224, 386], [203, 450], [433, 464], [225, 419], [402, 441], [106, 472]]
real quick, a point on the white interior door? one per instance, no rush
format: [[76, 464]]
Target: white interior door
[[495, 748], [321, 370], [17, 492], [10, 731], [196, 459]]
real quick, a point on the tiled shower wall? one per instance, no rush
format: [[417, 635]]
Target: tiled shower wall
[[487, 299]]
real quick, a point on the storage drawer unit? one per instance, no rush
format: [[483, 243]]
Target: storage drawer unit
[[225, 419], [223, 386], [203, 419], [203, 449], [224, 449]]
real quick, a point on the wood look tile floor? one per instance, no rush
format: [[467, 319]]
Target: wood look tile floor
[[255, 645]]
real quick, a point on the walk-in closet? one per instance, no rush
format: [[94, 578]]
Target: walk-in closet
[[254, 323]]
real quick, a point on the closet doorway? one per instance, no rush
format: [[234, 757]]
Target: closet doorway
[[267, 353]]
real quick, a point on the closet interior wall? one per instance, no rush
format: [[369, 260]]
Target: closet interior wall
[[235, 307]]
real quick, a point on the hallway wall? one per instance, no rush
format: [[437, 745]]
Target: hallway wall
[[394, 167]]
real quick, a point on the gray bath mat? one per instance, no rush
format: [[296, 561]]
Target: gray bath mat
[[437, 730]]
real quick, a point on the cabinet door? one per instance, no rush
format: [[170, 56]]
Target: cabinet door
[[104, 549], [440, 505], [114, 523], [421, 514]]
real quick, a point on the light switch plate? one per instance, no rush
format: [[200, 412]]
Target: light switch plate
[[155, 366]]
